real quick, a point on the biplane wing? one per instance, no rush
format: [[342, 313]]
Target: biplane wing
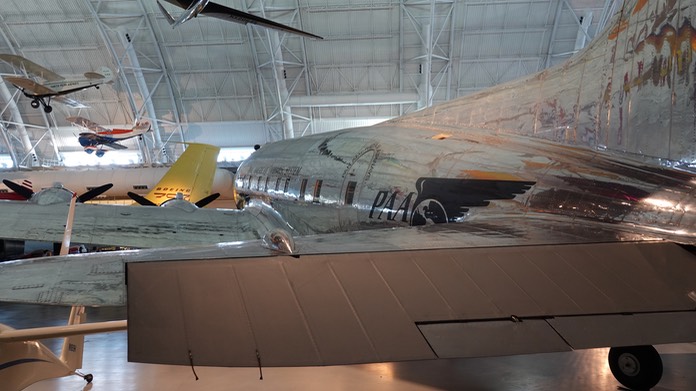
[[30, 67]]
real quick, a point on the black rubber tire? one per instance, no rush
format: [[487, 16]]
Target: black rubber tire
[[48, 109], [88, 378], [636, 367]]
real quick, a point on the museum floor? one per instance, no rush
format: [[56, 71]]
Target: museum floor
[[105, 358]]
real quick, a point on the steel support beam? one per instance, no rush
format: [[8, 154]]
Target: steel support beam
[[16, 117], [271, 74], [430, 20], [121, 43]]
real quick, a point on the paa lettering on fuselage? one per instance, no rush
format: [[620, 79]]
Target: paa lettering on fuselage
[[385, 202]]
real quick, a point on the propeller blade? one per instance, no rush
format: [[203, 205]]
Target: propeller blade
[[19, 189], [206, 200], [89, 194], [140, 199]]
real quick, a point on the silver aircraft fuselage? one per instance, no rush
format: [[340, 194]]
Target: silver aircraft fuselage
[[593, 138], [389, 176]]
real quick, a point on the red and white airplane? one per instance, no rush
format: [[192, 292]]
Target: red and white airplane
[[98, 137]]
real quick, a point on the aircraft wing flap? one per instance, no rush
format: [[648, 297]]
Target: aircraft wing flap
[[328, 309], [625, 329], [525, 336], [492, 338]]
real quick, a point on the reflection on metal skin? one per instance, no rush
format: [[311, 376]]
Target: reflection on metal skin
[[493, 176], [279, 240], [584, 140]]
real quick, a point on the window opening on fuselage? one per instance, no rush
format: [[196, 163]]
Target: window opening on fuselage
[[350, 193], [287, 184], [265, 186], [277, 185], [317, 190], [303, 188]]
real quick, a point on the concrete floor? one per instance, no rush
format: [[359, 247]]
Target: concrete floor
[[105, 358]]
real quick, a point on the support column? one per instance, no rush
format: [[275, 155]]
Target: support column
[[430, 20], [281, 87], [6, 139], [22, 130], [425, 90], [277, 77], [145, 93]]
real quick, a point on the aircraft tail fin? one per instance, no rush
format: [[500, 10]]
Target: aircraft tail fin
[[631, 90], [192, 174], [104, 73]]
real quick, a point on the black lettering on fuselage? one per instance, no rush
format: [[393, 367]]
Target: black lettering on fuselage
[[388, 206], [404, 207], [386, 202], [378, 201]]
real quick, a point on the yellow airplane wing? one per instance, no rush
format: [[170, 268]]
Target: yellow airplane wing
[[192, 175]]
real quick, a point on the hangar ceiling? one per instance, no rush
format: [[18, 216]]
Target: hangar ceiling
[[233, 85]]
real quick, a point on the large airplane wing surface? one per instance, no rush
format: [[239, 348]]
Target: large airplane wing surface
[[489, 288], [72, 280], [350, 308], [220, 11]]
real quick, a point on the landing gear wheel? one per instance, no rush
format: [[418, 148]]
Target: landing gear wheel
[[35, 104], [48, 109], [88, 377], [636, 367]]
